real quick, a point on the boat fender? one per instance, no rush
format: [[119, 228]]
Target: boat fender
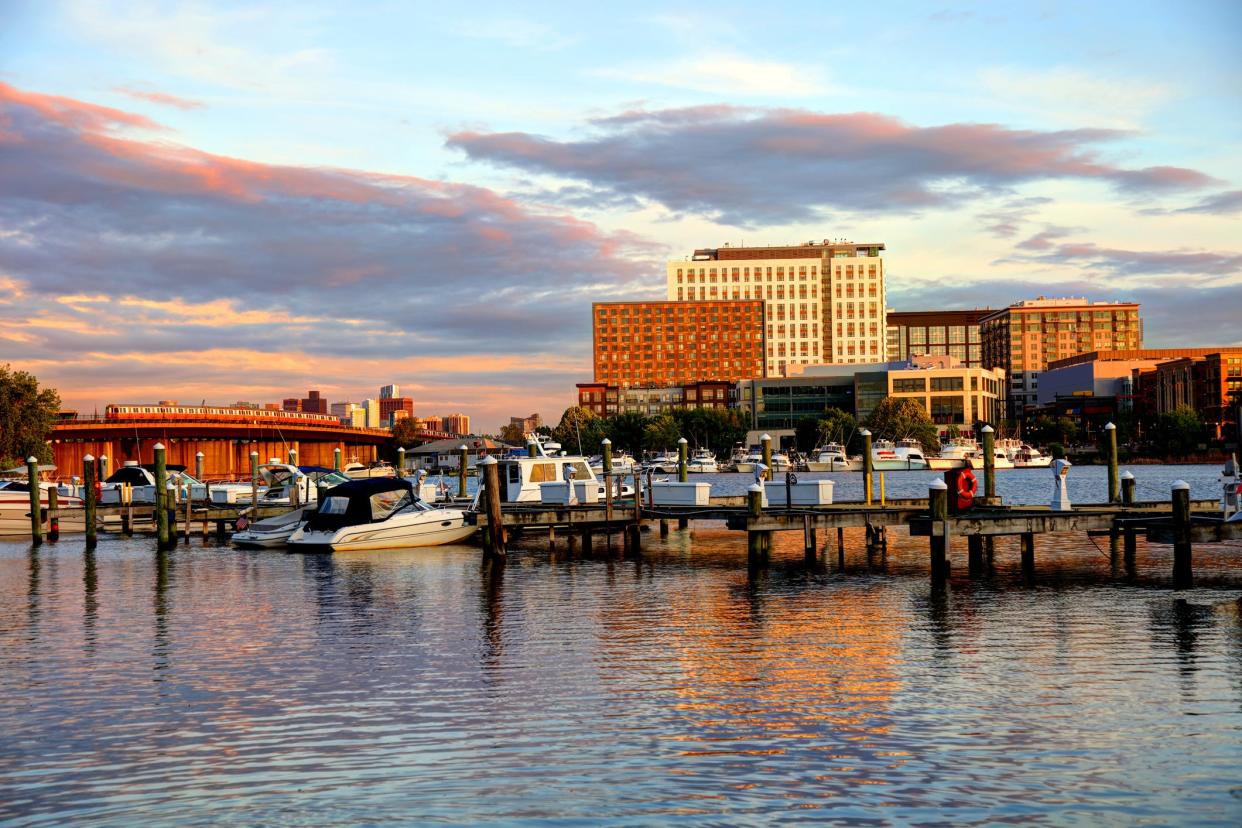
[[967, 485]]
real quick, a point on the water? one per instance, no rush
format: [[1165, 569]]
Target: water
[[210, 686]]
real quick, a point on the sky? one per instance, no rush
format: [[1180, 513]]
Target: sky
[[222, 202]]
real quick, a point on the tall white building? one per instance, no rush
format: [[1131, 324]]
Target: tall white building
[[372, 407], [824, 300]]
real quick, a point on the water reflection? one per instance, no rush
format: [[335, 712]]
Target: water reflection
[[32, 591], [161, 650], [1184, 624], [491, 615], [90, 601]]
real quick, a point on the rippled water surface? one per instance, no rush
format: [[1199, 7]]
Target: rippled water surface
[[209, 686]]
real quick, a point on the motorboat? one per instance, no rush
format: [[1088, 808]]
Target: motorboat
[[832, 458], [955, 453], [664, 463], [622, 463], [15, 507], [1000, 459], [283, 485], [378, 513], [140, 478], [702, 462], [903, 455], [522, 476], [357, 471], [270, 532], [1026, 456]]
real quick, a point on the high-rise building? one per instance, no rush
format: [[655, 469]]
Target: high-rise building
[[528, 425], [641, 344], [433, 423], [314, 404], [389, 405], [341, 409], [952, 333], [457, 424], [373, 412], [607, 400], [291, 404], [1024, 337], [388, 392], [824, 301]]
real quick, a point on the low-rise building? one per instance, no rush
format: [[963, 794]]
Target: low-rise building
[[953, 333], [951, 393], [1211, 384], [606, 400]]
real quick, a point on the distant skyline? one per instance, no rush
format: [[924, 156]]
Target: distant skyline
[[235, 201]]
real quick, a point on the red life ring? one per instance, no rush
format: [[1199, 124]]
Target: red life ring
[[967, 485]]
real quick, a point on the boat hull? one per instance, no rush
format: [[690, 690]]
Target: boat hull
[[888, 464], [834, 465], [430, 530]]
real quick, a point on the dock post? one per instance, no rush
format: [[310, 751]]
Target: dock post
[[840, 547], [161, 500], [587, 538], [756, 547], [766, 442], [683, 473], [532, 447], [36, 519], [127, 514], [463, 469], [989, 461], [254, 479], [189, 510], [198, 466], [53, 514], [808, 539], [663, 528], [868, 465], [1028, 555], [938, 509], [89, 502], [336, 459], [989, 549], [101, 468], [1127, 488], [1110, 445], [221, 532], [401, 462], [1183, 576], [633, 539], [293, 457], [495, 517], [974, 551]]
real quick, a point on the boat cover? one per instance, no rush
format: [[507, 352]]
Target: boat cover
[[357, 494]]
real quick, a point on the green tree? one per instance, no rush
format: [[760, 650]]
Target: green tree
[[627, 431], [579, 430], [898, 418], [512, 434], [405, 435], [661, 433], [1178, 432], [27, 413], [717, 429], [837, 426], [806, 434]]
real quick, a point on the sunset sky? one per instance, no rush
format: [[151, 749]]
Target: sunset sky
[[243, 201]]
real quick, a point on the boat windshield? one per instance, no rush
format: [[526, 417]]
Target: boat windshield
[[385, 504]]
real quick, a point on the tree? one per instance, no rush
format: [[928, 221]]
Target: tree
[[661, 433], [837, 426], [579, 430], [806, 434], [27, 413], [1178, 432], [512, 434], [627, 431], [898, 418], [718, 429], [405, 433]]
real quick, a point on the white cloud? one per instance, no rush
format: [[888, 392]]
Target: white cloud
[[1074, 98], [728, 75], [515, 33]]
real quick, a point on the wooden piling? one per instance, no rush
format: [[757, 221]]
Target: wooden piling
[[101, 468], [1127, 488], [1028, 555], [938, 510], [1114, 486], [756, 541], [766, 442], [89, 502], [663, 528], [532, 447], [1183, 576], [587, 539], [868, 465], [198, 466], [495, 517], [254, 479], [161, 499], [808, 539], [683, 472], [401, 462], [463, 469], [189, 511], [336, 458], [989, 461], [633, 538], [53, 514], [126, 494], [36, 517], [841, 547], [974, 551]]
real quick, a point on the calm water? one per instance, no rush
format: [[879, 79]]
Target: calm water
[[209, 685]]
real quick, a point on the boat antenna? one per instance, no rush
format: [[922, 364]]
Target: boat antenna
[[578, 428]]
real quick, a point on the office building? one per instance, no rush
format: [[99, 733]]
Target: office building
[[527, 425], [314, 404], [824, 301], [954, 333], [389, 406], [1025, 337], [291, 404], [662, 344], [373, 412], [1211, 384], [607, 400], [951, 393], [388, 392]]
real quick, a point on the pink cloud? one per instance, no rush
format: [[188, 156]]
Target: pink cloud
[[161, 98]]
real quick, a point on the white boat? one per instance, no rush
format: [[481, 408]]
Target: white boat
[[141, 480], [702, 462], [1028, 457], [356, 471], [282, 483], [521, 476], [1000, 459], [378, 513], [269, 532], [745, 461], [832, 458], [903, 455], [955, 453], [15, 508], [622, 463], [664, 463]]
